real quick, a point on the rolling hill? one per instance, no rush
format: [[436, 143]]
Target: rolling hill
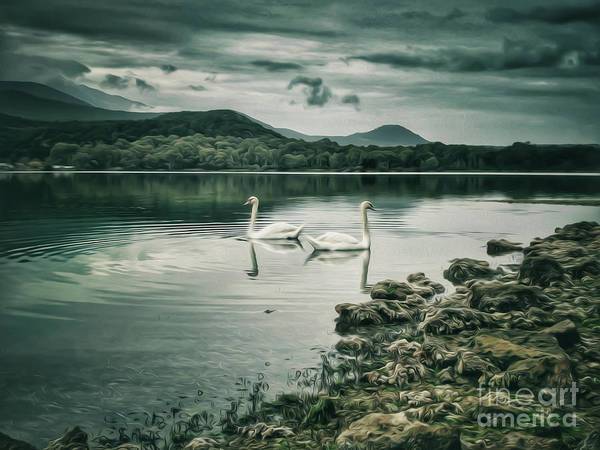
[[96, 97], [40, 102]]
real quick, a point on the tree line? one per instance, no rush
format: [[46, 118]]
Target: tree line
[[185, 141]]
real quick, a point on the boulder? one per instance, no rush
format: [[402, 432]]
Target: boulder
[[502, 246], [513, 440], [541, 271], [420, 280], [455, 320], [398, 431], [379, 312], [584, 266], [462, 270], [565, 333], [590, 442], [580, 231], [263, 431], [391, 290], [202, 443], [497, 296], [525, 358], [73, 439], [353, 345]]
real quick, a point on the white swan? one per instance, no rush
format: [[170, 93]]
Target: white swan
[[333, 241], [278, 230]]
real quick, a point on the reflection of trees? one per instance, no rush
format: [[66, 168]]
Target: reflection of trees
[[190, 196]]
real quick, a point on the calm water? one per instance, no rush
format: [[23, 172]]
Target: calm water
[[133, 292]]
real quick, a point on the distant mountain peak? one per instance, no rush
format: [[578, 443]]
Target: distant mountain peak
[[388, 135]]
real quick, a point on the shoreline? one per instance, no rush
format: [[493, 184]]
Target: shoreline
[[241, 172], [509, 359]]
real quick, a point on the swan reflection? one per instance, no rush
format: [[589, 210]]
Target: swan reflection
[[338, 258], [280, 247]]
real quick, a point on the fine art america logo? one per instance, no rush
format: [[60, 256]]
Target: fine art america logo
[[551, 407]]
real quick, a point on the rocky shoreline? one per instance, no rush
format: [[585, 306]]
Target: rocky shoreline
[[509, 360]]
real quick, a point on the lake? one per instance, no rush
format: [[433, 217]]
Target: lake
[[127, 294]]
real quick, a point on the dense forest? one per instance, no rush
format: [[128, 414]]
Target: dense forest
[[227, 140]]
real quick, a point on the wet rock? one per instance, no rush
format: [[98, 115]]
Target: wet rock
[[73, 439], [580, 231], [202, 443], [391, 290], [8, 443], [527, 359], [353, 345], [379, 312], [462, 270], [399, 432], [541, 271], [398, 373], [417, 283], [590, 442], [565, 332], [502, 246], [513, 440], [454, 320], [419, 279], [583, 267], [498, 296], [263, 431]]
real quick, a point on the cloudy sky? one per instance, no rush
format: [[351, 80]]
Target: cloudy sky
[[466, 71]]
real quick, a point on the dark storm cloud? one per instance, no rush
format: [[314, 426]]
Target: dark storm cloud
[[168, 68], [317, 94], [351, 99], [557, 14], [111, 81], [155, 22], [254, 45], [16, 66], [514, 54], [454, 14], [276, 66], [144, 86]]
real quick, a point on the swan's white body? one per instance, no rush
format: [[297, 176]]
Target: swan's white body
[[275, 231], [334, 241]]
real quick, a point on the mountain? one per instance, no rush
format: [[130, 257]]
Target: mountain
[[96, 97], [39, 102], [40, 91], [384, 136]]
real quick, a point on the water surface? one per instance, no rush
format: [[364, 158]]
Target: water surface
[[134, 292]]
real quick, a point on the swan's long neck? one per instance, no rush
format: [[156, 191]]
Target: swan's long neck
[[365, 228], [253, 217]]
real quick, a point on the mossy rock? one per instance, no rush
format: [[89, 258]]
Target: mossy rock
[[488, 439], [498, 296], [397, 431], [502, 246], [462, 270], [541, 271], [74, 439]]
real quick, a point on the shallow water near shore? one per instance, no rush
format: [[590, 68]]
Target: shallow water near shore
[[134, 292]]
